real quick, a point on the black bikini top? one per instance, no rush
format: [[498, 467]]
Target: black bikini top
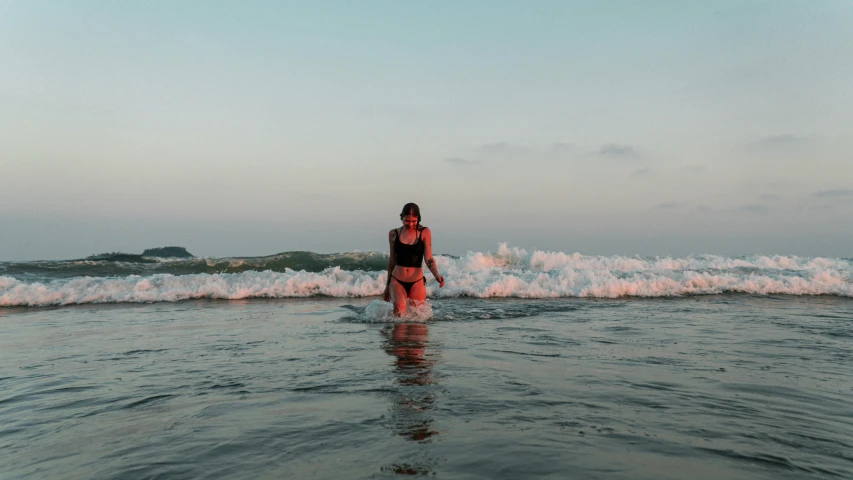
[[409, 255]]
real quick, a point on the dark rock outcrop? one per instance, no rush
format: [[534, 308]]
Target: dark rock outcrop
[[167, 252]]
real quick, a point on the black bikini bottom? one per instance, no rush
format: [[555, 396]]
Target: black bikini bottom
[[408, 285]]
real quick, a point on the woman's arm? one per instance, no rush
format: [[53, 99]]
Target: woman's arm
[[426, 235], [386, 295]]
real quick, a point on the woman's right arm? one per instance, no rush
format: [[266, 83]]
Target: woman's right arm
[[386, 295]]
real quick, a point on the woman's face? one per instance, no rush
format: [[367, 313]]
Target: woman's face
[[410, 222]]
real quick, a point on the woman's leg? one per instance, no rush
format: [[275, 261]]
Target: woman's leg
[[398, 297]]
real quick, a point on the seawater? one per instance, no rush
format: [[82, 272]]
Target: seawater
[[509, 272], [731, 385]]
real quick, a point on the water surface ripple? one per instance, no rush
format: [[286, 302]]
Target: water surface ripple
[[731, 386]]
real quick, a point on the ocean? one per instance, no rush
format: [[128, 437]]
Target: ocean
[[526, 365]]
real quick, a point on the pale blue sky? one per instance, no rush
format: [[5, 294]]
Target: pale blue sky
[[250, 128]]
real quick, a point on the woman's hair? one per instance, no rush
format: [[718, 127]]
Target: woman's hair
[[413, 210]]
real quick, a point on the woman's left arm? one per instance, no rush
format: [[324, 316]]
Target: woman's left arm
[[426, 235]]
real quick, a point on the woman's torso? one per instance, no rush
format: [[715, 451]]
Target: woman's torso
[[408, 250]]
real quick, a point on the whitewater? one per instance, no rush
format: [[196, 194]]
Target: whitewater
[[508, 272]]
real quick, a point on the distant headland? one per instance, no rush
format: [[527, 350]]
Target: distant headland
[[167, 252], [147, 255]]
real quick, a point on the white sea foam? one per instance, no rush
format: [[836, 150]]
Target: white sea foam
[[378, 311], [509, 272]]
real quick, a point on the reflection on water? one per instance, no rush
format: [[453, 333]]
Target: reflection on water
[[411, 410], [408, 342]]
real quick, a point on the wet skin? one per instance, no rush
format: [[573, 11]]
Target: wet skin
[[417, 294]]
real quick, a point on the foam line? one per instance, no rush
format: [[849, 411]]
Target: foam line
[[509, 272]]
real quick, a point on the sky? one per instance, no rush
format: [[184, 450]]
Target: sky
[[251, 128]]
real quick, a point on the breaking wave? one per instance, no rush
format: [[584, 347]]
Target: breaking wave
[[509, 272]]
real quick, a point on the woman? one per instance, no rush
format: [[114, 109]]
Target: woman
[[410, 245]]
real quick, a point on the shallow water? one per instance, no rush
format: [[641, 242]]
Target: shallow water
[[729, 386]]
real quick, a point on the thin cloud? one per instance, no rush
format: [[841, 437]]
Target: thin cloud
[[834, 193], [461, 161], [559, 148], [752, 208], [694, 169], [494, 147], [820, 208], [769, 196], [615, 150], [642, 172], [779, 144], [503, 149], [556, 151], [783, 140], [668, 206]]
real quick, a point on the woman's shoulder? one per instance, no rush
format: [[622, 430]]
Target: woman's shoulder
[[425, 231], [392, 233]]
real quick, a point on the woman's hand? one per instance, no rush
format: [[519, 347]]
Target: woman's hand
[[386, 295], [440, 281]]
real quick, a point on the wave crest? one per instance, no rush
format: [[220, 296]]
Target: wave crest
[[509, 272]]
